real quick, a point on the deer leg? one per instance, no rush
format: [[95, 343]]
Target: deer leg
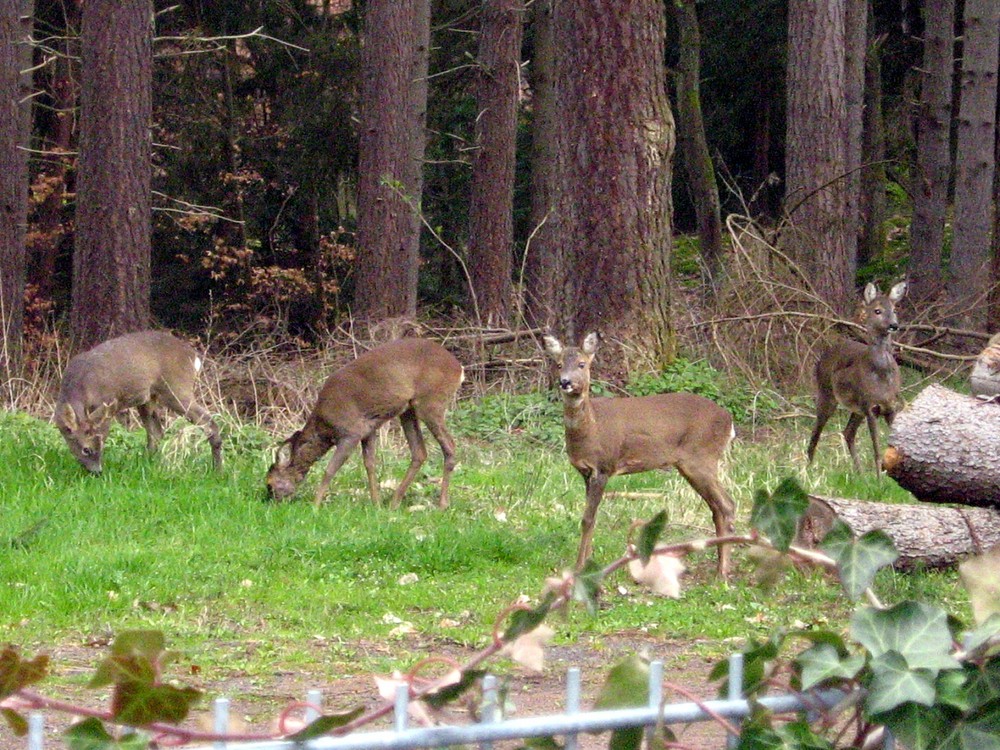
[[825, 406], [596, 482], [705, 481], [196, 414], [368, 457], [873, 431], [850, 432], [153, 425], [418, 452], [435, 423], [340, 454]]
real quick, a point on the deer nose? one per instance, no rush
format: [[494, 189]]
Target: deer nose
[[564, 383], [894, 327]]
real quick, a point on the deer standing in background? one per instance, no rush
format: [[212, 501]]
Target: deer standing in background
[[141, 370], [863, 378], [413, 379], [610, 436]]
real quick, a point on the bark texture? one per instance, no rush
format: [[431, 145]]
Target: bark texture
[[384, 273], [942, 448], [925, 535], [111, 259], [933, 167], [974, 165], [491, 209]]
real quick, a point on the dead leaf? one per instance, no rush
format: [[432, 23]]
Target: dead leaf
[[662, 574]]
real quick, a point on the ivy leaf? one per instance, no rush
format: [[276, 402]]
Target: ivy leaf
[[796, 735], [978, 731], [894, 682], [526, 620], [986, 630], [952, 689], [916, 727], [627, 685], [90, 734], [981, 577], [15, 721], [540, 743], [528, 649], [917, 631], [777, 515], [325, 724], [587, 585], [138, 704], [984, 683], [455, 690], [660, 573], [17, 673], [650, 535], [757, 663], [136, 656], [858, 561], [823, 662]]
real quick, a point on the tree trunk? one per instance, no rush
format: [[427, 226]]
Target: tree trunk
[[855, 49], [111, 261], [543, 260], [15, 56], [383, 274], [925, 535], [414, 175], [872, 202], [816, 152], [491, 210], [942, 448], [617, 146], [692, 143], [974, 166], [933, 167]]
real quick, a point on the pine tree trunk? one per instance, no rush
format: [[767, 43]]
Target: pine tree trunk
[[872, 204], [856, 49], [933, 167], [693, 144], [414, 178], [111, 259], [974, 165], [491, 209], [942, 448], [816, 153]]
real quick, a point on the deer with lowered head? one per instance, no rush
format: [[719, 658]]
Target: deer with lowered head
[[141, 371], [412, 379], [610, 436], [863, 378]]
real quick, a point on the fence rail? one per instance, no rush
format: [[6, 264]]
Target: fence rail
[[492, 729]]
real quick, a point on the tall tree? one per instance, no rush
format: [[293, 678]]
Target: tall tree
[[872, 204], [491, 218], [692, 142], [615, 209], [815, 147], [111, 259], [387, 258], [414, 176], [855, 52], [974, 163], [933, 167], [15, 57]]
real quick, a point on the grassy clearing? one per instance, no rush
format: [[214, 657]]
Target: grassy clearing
[[164, 542]]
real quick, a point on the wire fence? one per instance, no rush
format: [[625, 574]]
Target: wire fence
[[492, 728]]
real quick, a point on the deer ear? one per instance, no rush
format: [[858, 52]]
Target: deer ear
[[897, 292], [590, 342], [552, 346], [871, 292], [66, 416], [103, 413]]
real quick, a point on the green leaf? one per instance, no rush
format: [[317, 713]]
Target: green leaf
[[626, 739], [894, 682], [983, 684], [627, 685], [17, 673], [796, 735], [916, 727], [452, 692], [858, 561], [540, 743], [650, 535], [138, 704], [90, 734], [978, 731], [777, 516], [15, 721], [587, 585], [525, 620], [952, 689], [823, 662], [917, 631], [136, 656], [981, 578], [325, 724]]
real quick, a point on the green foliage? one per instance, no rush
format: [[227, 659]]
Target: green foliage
[[505, 417], [650, 535], [858, 560], [777, 515]]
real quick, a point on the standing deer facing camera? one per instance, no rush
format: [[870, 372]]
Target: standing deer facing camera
[[412, 379], [610, 436], [863, 378], [141, 370]]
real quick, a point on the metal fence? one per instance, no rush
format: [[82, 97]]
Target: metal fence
[[567, 725]]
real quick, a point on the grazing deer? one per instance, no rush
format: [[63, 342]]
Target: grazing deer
[[412, 379], [139, 371], [863, 378], [610, 436]]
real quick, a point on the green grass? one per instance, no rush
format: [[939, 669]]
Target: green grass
[[164, 542]]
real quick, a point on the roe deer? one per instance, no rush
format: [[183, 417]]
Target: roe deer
[[141, 370], [863, 378], [609, 436], [412, 379]]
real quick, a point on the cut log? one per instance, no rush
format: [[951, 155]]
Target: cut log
[[932, 536], [943, 448]]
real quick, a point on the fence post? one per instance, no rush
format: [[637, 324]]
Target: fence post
[[572, 701], [655, 695], [734, 690], [36, 731], [314, 701], [220, 724], [490, 712], [401, 706]]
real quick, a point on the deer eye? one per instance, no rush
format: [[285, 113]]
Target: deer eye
[[878, 310], [87, 452], [581, 365]]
